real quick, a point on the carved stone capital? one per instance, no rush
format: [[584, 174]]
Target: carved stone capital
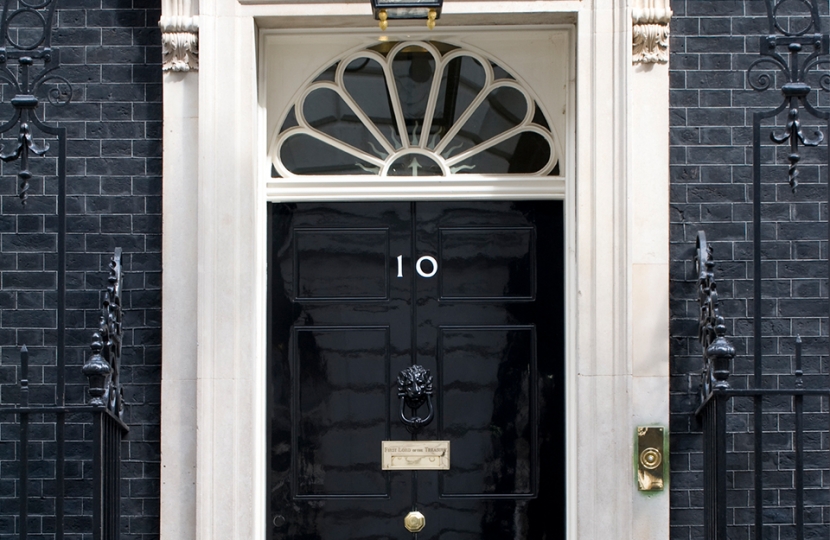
[[651, 31], [179, 43], [180, 51], [651, 11], [651, 43]]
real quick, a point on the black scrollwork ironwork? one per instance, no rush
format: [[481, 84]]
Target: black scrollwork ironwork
[[790, 55], [27, 65], [28, 81], [415, 390], [717, 351], [782, 52], [104, 364]]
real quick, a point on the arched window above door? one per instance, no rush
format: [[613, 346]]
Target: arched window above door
[[415, 108]]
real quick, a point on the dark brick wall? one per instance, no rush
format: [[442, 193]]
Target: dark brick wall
[[110, 52], [712, 45]]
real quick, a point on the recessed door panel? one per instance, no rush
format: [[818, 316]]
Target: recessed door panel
[[487, 397], [342, 378], [342, 264], [471, 291], [487, 264]]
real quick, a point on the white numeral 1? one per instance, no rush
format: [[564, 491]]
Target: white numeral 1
[[400, 265]]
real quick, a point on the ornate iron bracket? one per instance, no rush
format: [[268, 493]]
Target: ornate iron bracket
[[781, 53], [717, 351], [26, 81], [415, 390], [104, 364]]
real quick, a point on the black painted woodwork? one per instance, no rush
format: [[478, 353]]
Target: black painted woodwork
[[489, 325]]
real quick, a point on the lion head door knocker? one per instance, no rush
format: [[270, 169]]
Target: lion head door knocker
[[415, 389]]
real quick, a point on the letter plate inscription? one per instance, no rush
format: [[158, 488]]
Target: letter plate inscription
[[415, 455]]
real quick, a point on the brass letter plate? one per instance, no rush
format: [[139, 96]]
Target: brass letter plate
[[415, 455]]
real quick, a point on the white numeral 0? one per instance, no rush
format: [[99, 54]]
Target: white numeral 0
[[434, 266]]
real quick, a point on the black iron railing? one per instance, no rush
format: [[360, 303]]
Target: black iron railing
[[718, 406], [49, 442], [765, 438], [96, 507]]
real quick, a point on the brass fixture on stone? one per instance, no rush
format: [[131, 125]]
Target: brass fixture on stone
[[650, 458]]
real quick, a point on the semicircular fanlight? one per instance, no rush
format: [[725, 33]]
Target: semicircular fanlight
[[414, 109]]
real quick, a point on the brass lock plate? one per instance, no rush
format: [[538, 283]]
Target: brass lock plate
[[414, 521], [650, 463]]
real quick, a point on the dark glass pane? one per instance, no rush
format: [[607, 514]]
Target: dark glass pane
[[502, 110], [462, 80], [383, 47], [328, 74], [413, 68], [326, 111], [444, 48], [290, 120], [539, 118], [303, 154], [414, 165], [555, 170], [500, 73], [525, 153], [365, 82]]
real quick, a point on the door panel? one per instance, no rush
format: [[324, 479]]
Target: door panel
[[341, 264], [342, 375], [354, 298], [500, 267], [486, 393]]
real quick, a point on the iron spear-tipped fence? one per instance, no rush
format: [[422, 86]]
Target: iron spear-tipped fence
[[56, 498], [765, 433], [774, 423], [60, 462]]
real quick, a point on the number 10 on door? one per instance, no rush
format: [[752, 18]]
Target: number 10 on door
[[419, 266]]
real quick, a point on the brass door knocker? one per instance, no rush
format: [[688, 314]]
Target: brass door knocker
[[415, 389]]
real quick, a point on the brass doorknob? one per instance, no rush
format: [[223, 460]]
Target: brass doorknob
[[414, 521]]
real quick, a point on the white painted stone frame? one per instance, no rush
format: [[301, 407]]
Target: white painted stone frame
[[213, 399]]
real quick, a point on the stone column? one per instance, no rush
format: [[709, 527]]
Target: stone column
[[648, 150], [180, 58]]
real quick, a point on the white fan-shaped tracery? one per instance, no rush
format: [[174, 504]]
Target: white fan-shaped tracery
[[414, 111]]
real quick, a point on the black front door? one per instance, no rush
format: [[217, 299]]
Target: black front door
[[473, 292]]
